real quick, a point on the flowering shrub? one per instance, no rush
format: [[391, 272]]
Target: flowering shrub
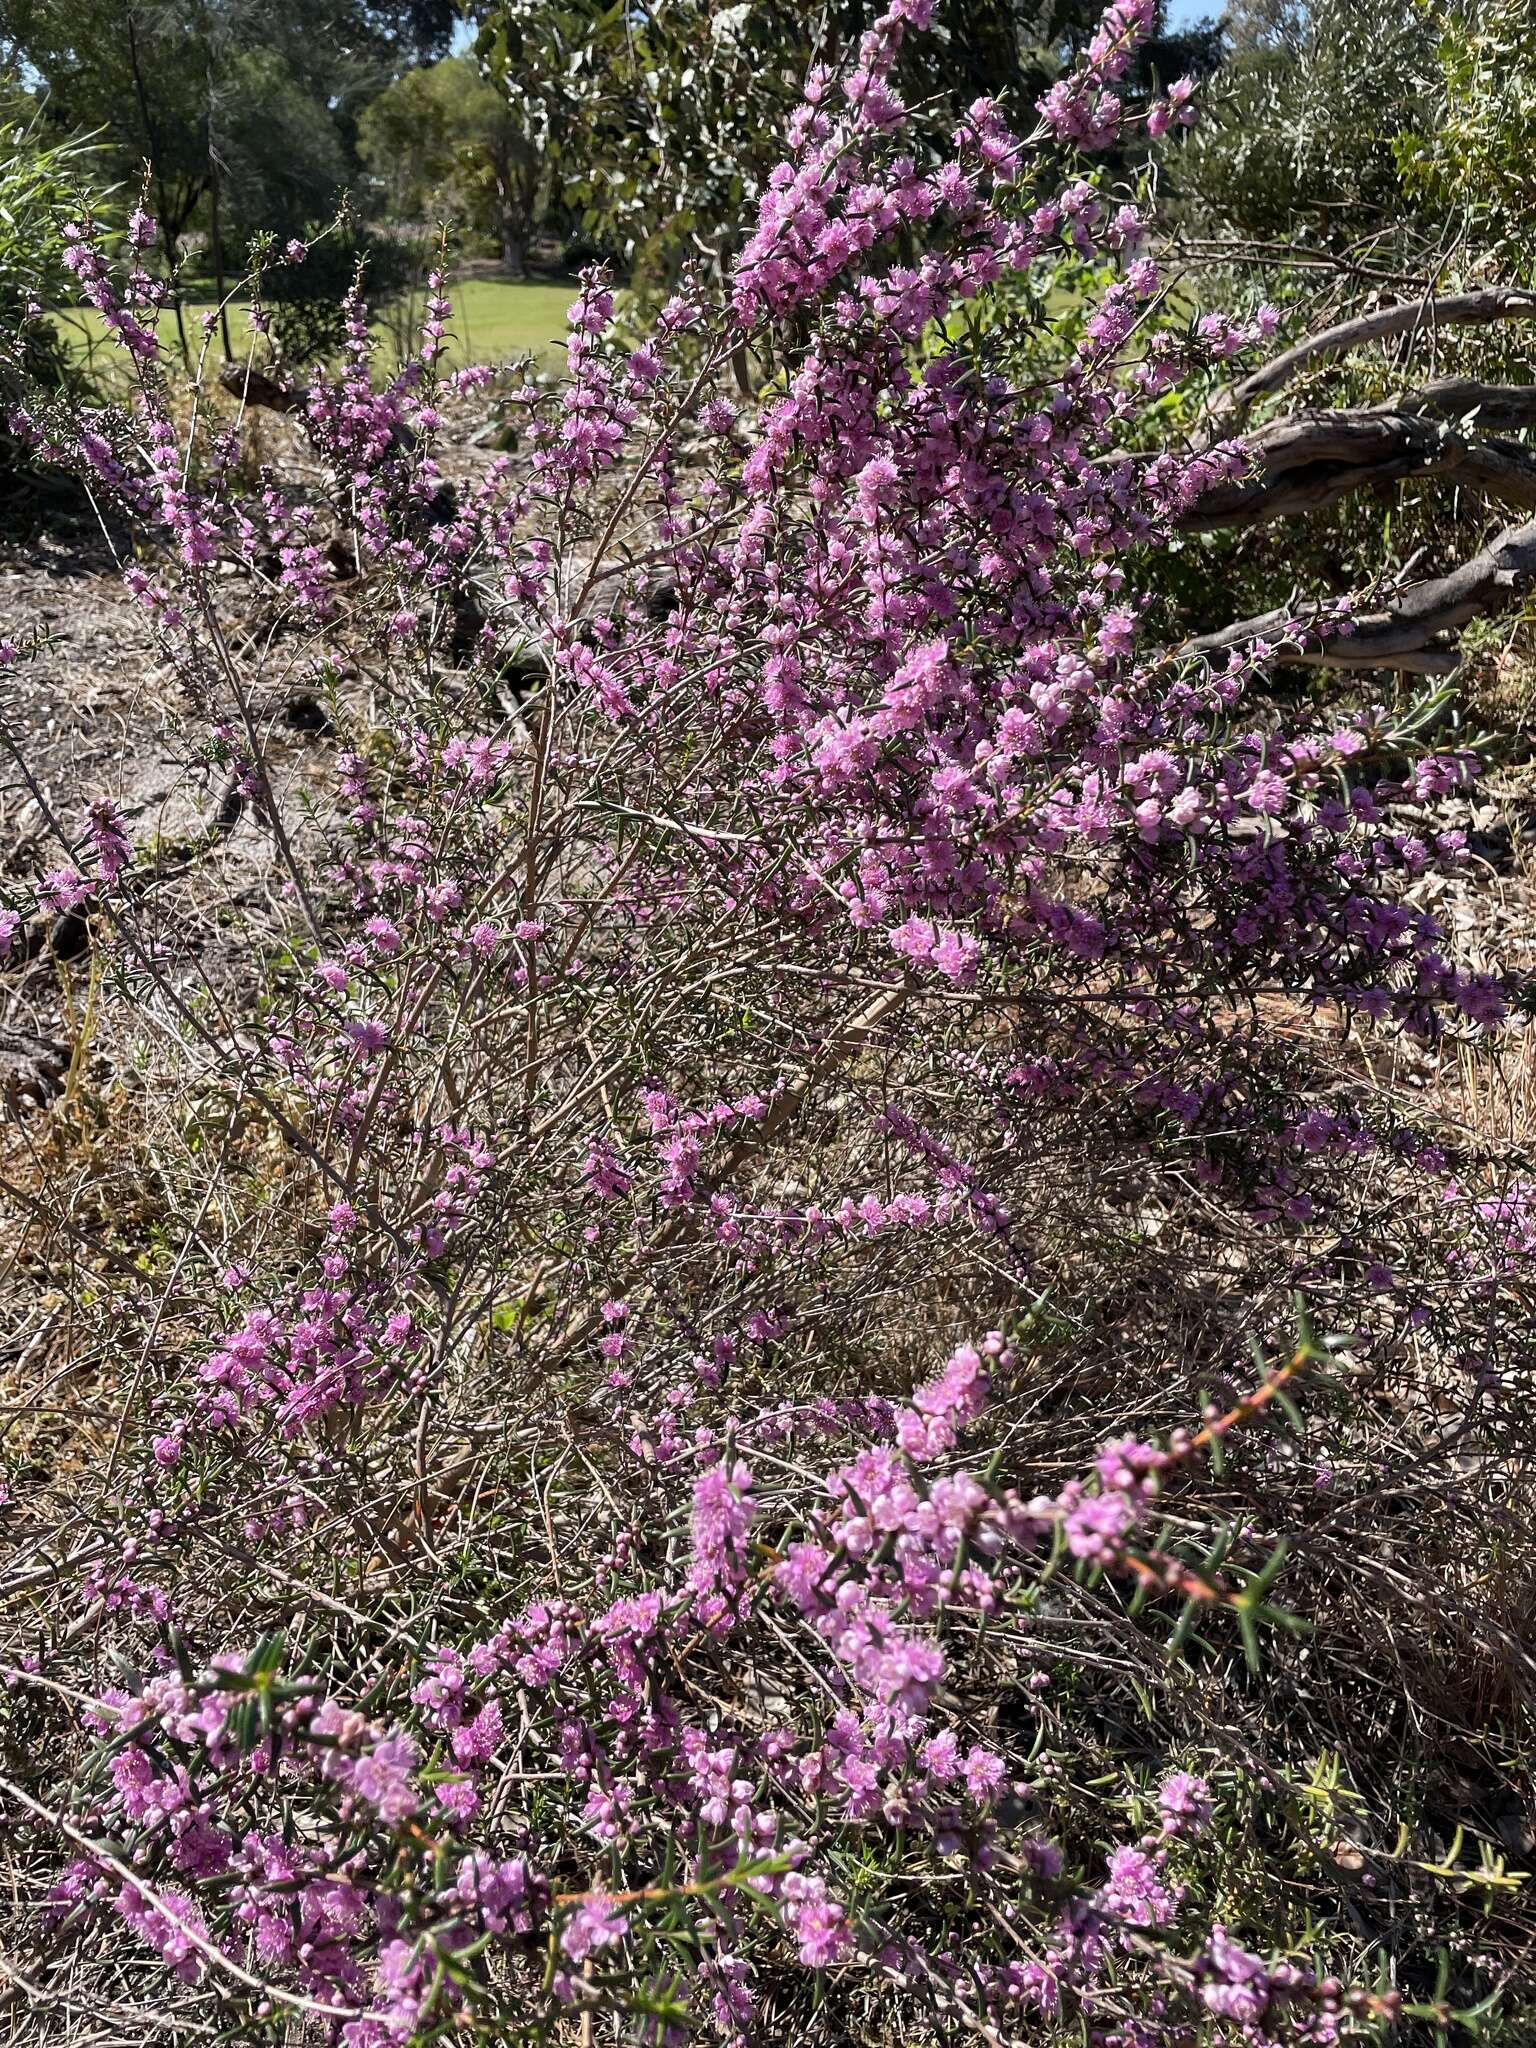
[[769, 918]]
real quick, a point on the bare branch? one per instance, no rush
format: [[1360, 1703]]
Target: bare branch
[[1309, 459], [1407, 633], [1460, 309], [1465, 400], [1501, 469]]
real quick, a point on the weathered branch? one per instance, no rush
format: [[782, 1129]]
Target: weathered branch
[[1407, 633], [1310, 459], [1460, 309], [1464, 399], [1500, 469]]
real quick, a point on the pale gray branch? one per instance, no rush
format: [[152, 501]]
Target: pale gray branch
[[1485, 406], [1385, 323], [1409, 632]]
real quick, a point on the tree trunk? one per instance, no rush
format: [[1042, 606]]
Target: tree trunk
[[216, 225], [168, 227], [512, 217], [514, 253], [216, 235]]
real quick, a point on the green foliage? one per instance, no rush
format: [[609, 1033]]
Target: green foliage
[[129, 73], [660, 123], [1301, 136], [40, 178], [1476, 157], [444, 143]]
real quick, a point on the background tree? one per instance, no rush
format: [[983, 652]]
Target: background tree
[[1477, 157], [1300, 140], [134, 74], [442, 140]]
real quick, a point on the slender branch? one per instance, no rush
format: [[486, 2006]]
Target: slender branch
[[1385, 323], [188, 1931]]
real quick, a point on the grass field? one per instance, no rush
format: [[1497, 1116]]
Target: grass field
[[493, 319]]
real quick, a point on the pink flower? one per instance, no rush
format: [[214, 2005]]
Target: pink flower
[[64, 890], [1184, 1802], [597, 1923]]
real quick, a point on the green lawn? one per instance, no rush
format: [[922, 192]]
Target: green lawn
[[493, 319]]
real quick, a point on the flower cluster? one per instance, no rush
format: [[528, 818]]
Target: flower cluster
[[270, 1822]]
